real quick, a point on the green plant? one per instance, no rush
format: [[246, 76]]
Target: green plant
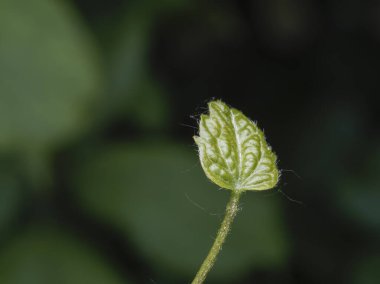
[[235, 155]]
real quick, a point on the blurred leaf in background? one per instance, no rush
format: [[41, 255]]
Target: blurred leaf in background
[[366, 270], [132, 92], [49, 77], [11, 196], [158, 196], [46, 255]]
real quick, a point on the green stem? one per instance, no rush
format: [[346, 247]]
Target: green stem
[[231, 210]]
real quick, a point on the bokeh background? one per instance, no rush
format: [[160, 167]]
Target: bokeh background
[[99, 176]]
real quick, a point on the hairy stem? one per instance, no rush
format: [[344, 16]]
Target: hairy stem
[[231, 210]]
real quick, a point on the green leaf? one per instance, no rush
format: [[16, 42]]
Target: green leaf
[[233, 151]]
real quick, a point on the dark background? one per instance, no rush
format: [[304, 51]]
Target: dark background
[[99, 176]]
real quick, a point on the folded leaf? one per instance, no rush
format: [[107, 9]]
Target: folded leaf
[[233, 151]]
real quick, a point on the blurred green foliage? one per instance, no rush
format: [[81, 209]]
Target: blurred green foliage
[[46, 255], [155, 196], [366, 271], [49, 76], [359, 195], [10, 199], [48, 70], [99, 176]]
